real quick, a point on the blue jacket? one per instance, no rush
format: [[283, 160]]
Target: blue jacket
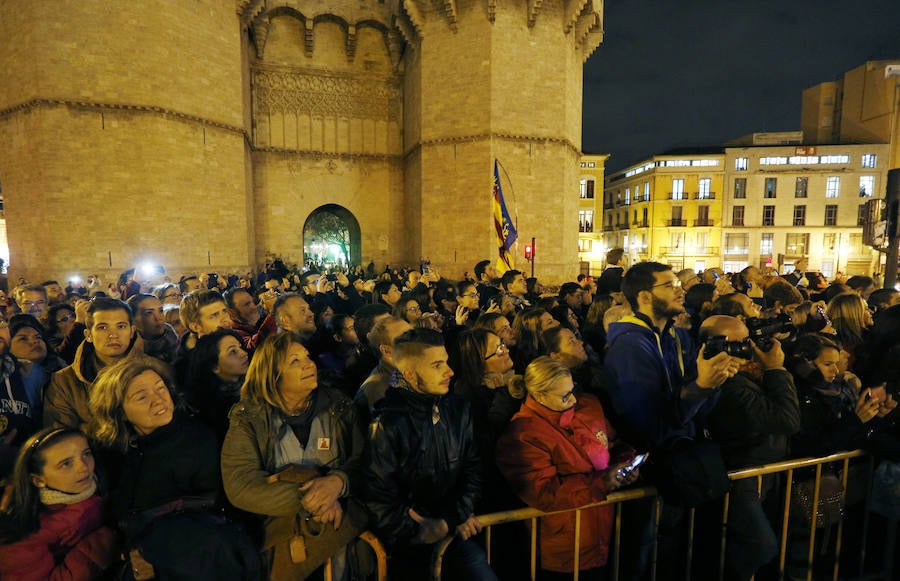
[[651, 381]]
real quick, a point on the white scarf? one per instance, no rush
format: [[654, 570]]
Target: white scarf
[[50, 496]]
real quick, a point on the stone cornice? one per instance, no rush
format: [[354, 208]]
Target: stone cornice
[[126, 107], [309, 153], [488, 136]]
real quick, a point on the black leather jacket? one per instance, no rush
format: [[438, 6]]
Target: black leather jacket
[[422, 456]]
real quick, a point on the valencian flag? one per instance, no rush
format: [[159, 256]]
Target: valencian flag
[[503, 226]]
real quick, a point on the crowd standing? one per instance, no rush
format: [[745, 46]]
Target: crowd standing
[[252, 426]]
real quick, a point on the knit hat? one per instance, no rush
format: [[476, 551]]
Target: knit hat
[[20, 321]]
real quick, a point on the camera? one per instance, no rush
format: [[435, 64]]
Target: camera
[[719, 344], [332, 277], [762, 330]]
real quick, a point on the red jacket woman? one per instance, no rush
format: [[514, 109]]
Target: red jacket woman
[[555, 455]]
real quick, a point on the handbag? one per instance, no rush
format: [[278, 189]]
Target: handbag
[[297, 544], [690, 472], [830, 508]]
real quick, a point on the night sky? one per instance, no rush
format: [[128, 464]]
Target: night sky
[[686, 73]]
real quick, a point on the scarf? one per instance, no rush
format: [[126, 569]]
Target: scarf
[[50, 496]]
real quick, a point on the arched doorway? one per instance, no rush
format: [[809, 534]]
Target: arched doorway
[[331, 237]]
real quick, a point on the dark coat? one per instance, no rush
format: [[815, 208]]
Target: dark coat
[[753, 421], [423, 456]]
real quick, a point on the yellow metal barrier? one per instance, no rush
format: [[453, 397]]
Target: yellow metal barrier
[[380, 557], [617, 498]]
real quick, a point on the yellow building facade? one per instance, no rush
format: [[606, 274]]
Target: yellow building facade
[[591, 246], [668, 209]]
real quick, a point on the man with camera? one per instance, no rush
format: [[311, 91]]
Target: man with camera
[[754, 418]]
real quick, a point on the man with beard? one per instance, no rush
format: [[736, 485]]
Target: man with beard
[[657, 382], [661, 389]]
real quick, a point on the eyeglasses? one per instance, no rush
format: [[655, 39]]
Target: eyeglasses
[[172, 296], [501, 348], [469, 295], [671, 284], [414, 308], [35, 303], [564, 397], [64, 319]]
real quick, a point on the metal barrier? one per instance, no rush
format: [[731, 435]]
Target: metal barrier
[[648, 492], [380, 557]]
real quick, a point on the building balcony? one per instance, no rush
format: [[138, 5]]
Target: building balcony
[[640, 224], [706, 196], [705, 222], [608, 228], [608, 206], [679, 251], [678, 196], [676, 223], [739, 223], [587, 227]]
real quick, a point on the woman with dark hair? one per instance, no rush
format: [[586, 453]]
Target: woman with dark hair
[[386, 292], [483, 374], [286, 421], [527, 329], [53, 527], [60, 321], [467, 300], [37, 361], [408, 308], [166, 499], [499, 325], [566, 317], [217, 368], [342, 348]]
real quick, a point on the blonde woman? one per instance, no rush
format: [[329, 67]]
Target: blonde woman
[[169, 477], [557, 454], [851, 319], [283, 423]]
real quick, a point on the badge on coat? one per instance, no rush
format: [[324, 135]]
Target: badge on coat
[[324, 444], [601, 436]]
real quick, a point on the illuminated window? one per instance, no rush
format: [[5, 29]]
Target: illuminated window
[[797, 244], [866, 186], [646, 191], [737, 216], [740, 164], [861, 215], [771, 186], [586, 188], [835, 159], [869, 160], [627, 196], [705, 189], [740, 187], [768, 217], [737, 243], [799, 215], [585, 244], [800, 187], [766, 244], [831, 214], [677, 189], [585, 221], [832, 186]]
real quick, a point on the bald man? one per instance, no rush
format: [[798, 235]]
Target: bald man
[[754, 418]]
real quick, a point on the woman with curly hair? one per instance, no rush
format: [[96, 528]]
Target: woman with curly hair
[[528, 327], [166, 500]]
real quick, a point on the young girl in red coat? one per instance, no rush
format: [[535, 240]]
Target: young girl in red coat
[[53, 527]]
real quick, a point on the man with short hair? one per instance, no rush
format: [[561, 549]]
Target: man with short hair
[[610, 280], [189, 283], [381, 339], [424, 474], [513, 284], [109, 337], [862, 285], [160, 339], [250, 321], [756, 414], [780, 294], [33, 300], [55, 293], [292, 313]]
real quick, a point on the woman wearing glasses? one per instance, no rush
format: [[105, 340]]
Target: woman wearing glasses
[[484, 374], [559, 453]]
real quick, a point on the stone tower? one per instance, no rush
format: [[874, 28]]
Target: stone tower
[[122, 126], [486, 79], [206, 134]]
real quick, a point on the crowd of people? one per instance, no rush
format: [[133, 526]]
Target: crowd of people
[[251, 427]]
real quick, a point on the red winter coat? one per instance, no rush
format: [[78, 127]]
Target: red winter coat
[[545, 460], [71, 545]]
